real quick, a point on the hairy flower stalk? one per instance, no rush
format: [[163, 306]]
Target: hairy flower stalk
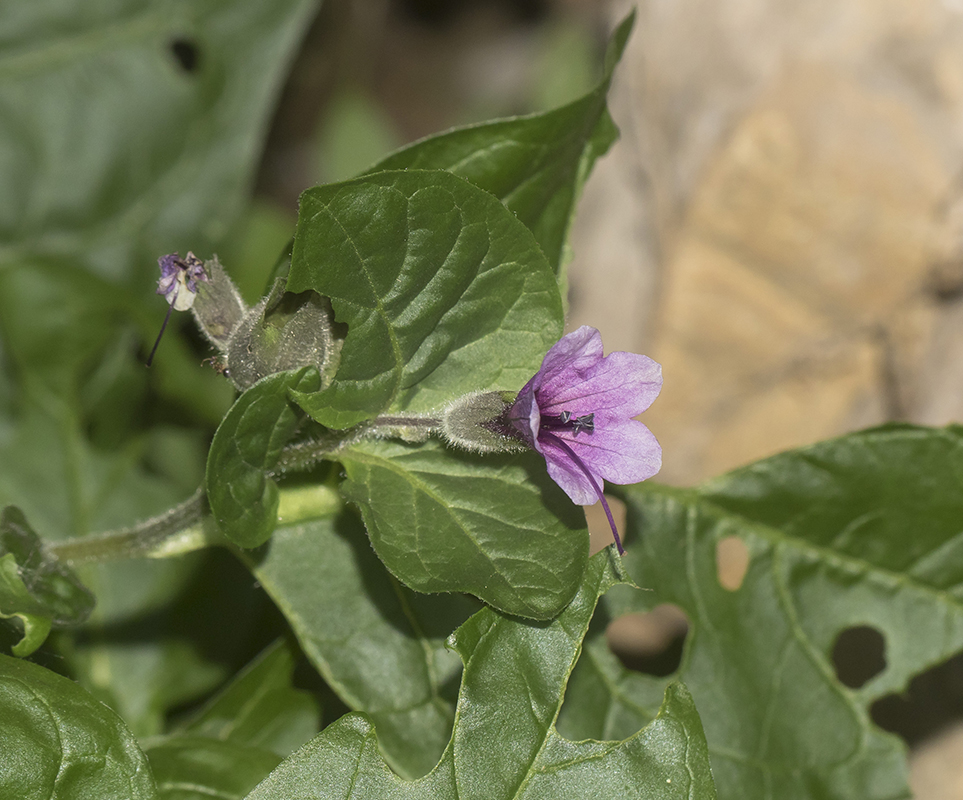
[[178, 285], [577, 412]]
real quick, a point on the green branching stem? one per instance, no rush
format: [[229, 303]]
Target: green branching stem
[[149, 539], [189, 526]]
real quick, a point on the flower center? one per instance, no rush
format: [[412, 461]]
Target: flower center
[[564, 421]]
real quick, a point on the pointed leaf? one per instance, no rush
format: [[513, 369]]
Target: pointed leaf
[[536, 165], [242, 495], [60, 743], [504, 744], [443, 291], [495, 526], [260, 708], [199, 768]]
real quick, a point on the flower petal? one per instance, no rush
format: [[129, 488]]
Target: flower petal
[[624, 453], [570, 358], [524, 414], [615, 388]]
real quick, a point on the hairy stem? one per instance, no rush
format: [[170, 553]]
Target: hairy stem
[[150, 538], [188, 526]]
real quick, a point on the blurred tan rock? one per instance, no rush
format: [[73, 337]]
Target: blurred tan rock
[[935, 767], [786, 196]]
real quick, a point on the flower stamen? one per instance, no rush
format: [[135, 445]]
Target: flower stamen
[[566, 422]]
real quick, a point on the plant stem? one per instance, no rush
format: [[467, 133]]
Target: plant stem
[[189, 527], [152, 538]]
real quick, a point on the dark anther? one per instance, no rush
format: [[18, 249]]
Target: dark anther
[[187, 54], [584, 423], [565, 421]]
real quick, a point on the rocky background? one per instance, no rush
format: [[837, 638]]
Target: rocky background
[[781, 225]]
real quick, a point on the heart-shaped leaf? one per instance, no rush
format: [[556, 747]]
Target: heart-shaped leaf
[[495, 526], [443, 291]]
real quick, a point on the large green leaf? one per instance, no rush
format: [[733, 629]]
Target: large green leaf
[[68, 488], [112, 153], [34, 585], [242, 495], [504, 744], [443, 291], [537, 164], [131, 129], [495, 526], [379, 646], [860, 531], [59, 743]]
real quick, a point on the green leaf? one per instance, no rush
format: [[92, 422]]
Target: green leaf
[[260, 709], [495, 526], [113, 149], [68, 488], [198, 768], [242, 495], [35, 586], [536, 164], [60, 743], [504, 744], [380, 647], [443, 291], [861, 530]]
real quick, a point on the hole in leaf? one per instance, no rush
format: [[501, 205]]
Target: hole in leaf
[[931, 703], [859, 655], [651, 643], [732, 562], [187, 54]]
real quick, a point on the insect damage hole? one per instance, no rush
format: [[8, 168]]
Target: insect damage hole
[[186, 53], [859, 655], [732, 562], [652, 642]]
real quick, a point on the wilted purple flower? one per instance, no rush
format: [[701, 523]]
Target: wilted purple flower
[[577, 412], [178, 284], [178, 280]]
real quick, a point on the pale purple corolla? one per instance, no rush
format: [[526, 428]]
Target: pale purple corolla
[[178, 285], [578, 413]]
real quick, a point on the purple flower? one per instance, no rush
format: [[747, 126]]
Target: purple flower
[[178, 280], [178, 284], [577, 412]]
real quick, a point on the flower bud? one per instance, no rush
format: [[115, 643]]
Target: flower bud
[[283, 331], [218, 307], [476, 422]]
